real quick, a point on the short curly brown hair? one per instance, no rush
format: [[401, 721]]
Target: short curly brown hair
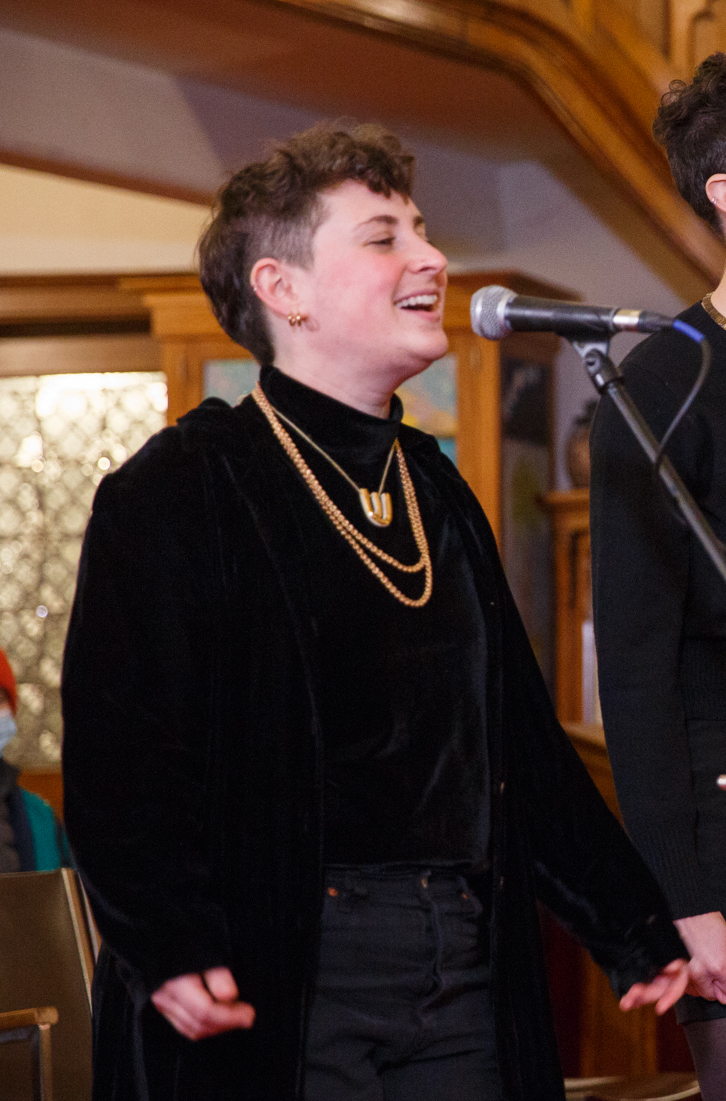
[[273, 208], [691, 124]]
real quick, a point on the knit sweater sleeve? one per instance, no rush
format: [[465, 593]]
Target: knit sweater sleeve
[[640, 559]]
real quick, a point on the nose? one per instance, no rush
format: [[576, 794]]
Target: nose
[[428, 258]]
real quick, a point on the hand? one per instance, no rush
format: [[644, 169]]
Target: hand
[[665, 989], [705, 938], [203, 1005]]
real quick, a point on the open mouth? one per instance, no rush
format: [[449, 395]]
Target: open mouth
[[422, 302]]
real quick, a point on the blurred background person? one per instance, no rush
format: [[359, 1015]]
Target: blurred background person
[[32, 838]]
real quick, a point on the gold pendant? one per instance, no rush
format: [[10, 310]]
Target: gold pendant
[[377, 507]]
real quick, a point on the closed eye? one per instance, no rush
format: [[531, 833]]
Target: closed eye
[[383, 241]]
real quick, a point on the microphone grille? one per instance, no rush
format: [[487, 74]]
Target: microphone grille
[[487, 312]]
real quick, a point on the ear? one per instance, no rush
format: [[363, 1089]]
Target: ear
[[274, 283], [716, 192]]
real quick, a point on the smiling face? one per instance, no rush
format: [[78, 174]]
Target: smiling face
[[374, 293]]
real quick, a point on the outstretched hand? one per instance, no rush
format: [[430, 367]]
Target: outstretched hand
[[704, 935], [665, 989], [203, 1005]]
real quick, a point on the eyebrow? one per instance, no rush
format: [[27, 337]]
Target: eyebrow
[[390, 220]]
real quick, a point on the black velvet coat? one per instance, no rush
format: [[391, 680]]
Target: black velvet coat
[[193, 774]]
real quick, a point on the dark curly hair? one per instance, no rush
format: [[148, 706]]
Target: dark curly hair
[[691, 124], [273, 208]]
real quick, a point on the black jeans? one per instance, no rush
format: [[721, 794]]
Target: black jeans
[[402, 1009]]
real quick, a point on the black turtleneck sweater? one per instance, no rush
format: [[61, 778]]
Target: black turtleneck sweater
[[660, 616], [403, 711]]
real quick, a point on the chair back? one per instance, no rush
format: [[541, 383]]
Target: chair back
[[46, 959], [667, 1086]]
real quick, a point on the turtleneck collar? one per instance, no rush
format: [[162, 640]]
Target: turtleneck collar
[[334, 426]]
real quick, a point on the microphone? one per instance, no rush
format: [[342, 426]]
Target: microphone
[[497, 311]]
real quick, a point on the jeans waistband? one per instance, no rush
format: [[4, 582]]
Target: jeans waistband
[[407, 878]]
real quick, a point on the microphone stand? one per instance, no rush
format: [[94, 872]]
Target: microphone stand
[[608, 379]]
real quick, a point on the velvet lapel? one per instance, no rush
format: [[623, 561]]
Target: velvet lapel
[[259, 470]]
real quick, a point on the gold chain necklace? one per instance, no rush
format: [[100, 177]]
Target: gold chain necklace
[[712, 311], [350, 533], [376, 506]]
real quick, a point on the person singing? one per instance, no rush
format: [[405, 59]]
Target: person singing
[[314, 781]]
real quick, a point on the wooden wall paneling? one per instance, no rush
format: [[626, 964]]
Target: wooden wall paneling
[[183, 363], [571, 531], [611, 1042], [188, 333], [70, 355], [684, 17], [614, 1042], [651, 18], [624, 44], [180, 387], [479, 420], [584, 13], [25, 298], [589, 741], [183, 312], [708, 31]]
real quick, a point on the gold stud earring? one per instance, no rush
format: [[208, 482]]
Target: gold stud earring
[[296, 319]]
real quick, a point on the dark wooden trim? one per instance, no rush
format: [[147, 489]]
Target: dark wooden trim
[[115, 326], [111, 281]]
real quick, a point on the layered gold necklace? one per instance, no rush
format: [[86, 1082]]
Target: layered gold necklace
[[360, 544]]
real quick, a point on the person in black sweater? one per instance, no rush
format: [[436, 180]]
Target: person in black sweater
[[660, 606], [313, 777]]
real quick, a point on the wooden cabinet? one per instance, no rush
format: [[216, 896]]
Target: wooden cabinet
[[609, 1042], [570, 520]]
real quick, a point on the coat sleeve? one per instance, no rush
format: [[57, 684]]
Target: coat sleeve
[[586, 869], [640, 556], [137, 691]]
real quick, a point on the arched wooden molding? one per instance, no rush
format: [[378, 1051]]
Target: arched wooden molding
[[590, 64], [597, 66], [706, 33]]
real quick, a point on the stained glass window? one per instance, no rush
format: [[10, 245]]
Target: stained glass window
[[59, 436]]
